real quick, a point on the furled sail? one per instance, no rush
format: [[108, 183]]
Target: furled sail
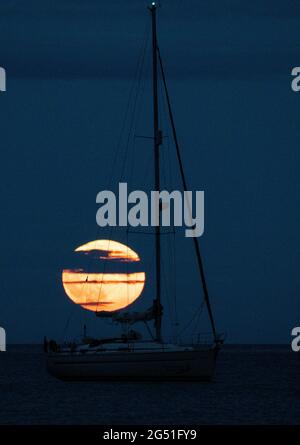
[[129, 317]]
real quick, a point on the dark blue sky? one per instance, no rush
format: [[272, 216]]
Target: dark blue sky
[[70, 66]]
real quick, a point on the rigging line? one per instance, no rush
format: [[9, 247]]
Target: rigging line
[[174, 281], [127, 147], [169, 244], [147, 177], [196, 244], [197, 321], [149, 330], [72, 311], [146, 69], [149, 262], [134, 117], [138, 114], [168, 151], [138, 81], [172, 243], [133, 85], [140, 58], [164, 266], [166, 158], [66, 327], [199, 310], [148, 172], [125, 156], [64, 332], [104, 269], [131, 163], [141, 51], [127, 289], [164, 275]]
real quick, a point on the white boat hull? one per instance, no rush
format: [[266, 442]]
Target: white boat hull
[[192, 364]]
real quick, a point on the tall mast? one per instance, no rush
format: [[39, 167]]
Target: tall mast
[[196, 244], [157, 143]]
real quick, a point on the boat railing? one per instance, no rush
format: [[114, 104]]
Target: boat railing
[[203, 338], [207, 338]]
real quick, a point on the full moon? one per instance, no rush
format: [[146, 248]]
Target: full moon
[[106, 291]]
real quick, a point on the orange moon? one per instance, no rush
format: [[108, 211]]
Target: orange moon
[[104, 291]]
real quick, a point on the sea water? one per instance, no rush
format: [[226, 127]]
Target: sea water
[[252, 385]]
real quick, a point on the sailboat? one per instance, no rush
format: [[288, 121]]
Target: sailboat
[[129, 356]]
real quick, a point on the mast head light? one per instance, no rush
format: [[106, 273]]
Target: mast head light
[[153, 5]]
